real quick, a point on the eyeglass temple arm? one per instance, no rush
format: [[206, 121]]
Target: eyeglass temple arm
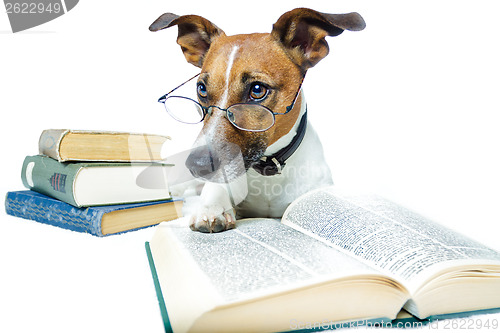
[[164, 97], [290, 107]]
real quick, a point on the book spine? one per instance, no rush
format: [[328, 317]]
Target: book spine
[[50, 141], [46, 175], [50, 211]]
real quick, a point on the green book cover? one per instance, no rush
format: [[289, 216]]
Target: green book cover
[[45, 175], [159, 294], [108, 183]]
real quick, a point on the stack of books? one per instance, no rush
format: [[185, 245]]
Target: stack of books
[[90, 182]]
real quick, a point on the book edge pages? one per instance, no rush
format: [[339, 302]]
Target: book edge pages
[[131, 157], [181, 317], [84, 169], [61, 133], [110, 227]]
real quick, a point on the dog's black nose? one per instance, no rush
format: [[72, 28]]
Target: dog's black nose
[[203, 162]]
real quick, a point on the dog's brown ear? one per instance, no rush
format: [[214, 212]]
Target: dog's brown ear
[[302, 32], [195, 34]]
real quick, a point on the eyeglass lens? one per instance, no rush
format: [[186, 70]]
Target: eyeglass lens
[[184, 109], [249, 117]]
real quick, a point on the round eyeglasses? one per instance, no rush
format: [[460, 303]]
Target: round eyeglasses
[[251, 117]]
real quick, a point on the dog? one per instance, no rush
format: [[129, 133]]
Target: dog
[[281, 162]]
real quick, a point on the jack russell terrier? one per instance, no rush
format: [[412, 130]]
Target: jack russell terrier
[[250, 101]]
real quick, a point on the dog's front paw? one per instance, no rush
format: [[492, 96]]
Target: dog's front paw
[[213, 219]]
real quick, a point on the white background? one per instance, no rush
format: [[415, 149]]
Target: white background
[[407, 108]]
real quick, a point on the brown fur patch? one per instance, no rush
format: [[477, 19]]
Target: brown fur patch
[[259, 58]]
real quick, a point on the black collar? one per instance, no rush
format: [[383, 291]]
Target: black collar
[[273, 164]]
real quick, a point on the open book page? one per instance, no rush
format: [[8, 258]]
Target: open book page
[[263, 255], [403, 244]]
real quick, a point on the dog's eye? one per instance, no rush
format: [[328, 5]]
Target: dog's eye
[[258, 91], [202, 90]]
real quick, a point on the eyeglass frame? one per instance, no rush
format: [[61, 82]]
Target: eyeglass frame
[[206, 109]]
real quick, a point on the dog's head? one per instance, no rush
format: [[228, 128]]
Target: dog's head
[[264, 69]]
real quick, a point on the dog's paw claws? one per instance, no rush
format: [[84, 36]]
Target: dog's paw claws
[[213, 221], [230, 221]]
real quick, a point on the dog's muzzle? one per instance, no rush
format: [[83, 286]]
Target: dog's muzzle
[[202, 162], [216, 165]]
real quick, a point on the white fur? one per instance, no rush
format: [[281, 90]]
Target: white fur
[[252, 194], [268, 196], [222, 103], [305, 170], [212, 129]]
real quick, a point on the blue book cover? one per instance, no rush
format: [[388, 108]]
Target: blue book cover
[[35, 206]]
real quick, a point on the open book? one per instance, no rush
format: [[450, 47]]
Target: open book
[[334, 258]]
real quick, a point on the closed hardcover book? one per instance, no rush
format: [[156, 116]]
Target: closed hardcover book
[[75, 145], [94, 184], [98, 221]]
